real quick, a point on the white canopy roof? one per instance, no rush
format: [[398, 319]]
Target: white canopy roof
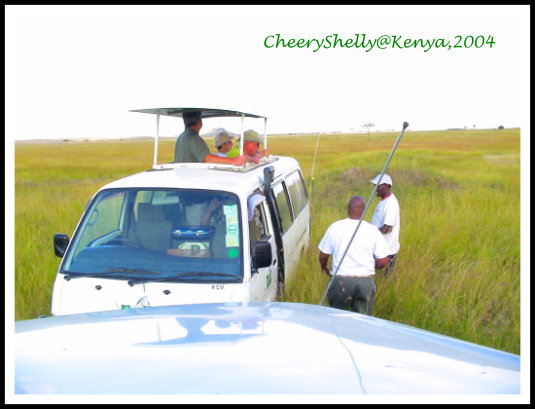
[[205, 112]]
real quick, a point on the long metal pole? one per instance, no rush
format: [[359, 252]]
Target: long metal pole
[[405, 125]]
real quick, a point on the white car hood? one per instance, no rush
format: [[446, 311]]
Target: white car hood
[[250, 348]]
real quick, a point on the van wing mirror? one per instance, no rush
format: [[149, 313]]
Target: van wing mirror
[[262, 255], [61, 241]]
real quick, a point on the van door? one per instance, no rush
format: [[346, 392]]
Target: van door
[[263, 283], [294, 214], [296, 240]]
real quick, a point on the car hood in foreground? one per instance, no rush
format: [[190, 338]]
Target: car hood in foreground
[[249, 348]]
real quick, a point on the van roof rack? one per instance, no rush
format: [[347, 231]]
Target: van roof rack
[[205, 113]]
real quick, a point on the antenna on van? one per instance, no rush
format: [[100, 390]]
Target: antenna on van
[[312, 170], [405, 125]]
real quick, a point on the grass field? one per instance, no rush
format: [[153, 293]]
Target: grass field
[[458, 270]]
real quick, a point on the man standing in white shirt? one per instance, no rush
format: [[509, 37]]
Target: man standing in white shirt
[[386, 217], [353, 287]]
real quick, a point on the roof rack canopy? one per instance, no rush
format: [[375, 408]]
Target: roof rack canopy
[[205, 112]]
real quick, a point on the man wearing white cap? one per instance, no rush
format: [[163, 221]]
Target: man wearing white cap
[[386, 217]]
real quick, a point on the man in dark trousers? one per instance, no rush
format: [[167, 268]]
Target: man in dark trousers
[[354, 286]]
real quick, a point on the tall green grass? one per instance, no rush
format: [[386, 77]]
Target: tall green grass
[[458, 271], [53, 183]]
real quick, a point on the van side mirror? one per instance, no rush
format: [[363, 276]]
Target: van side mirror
[[61, 241], [262, 256]]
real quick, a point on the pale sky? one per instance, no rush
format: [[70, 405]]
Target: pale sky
[[76, 71]]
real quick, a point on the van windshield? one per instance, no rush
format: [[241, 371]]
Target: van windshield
[[143, 235]]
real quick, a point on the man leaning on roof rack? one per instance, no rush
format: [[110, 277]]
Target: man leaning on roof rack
[[190, 147]]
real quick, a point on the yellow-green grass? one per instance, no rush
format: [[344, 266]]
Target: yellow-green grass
[[458, 271]]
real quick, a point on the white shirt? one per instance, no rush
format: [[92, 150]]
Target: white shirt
[[387, 212], [367, 245]]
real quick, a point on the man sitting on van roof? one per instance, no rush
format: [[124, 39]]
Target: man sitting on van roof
[[190, 147], [251, 146]]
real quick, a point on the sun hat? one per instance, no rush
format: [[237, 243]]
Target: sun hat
[[251, 135], [385, 179], [221, 136]]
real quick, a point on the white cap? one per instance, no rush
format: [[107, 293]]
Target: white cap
[[385, 179], [221, 136]]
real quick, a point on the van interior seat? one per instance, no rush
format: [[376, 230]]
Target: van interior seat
[[154, 229]]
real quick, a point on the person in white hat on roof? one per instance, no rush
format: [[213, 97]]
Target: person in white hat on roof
[[223, 142], [386, 217]]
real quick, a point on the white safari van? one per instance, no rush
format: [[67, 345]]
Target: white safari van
[[186, 233]]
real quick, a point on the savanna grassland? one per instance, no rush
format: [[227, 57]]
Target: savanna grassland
[[458, 269]]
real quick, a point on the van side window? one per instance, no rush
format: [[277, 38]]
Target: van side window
[[283, 205], [297, 190]]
